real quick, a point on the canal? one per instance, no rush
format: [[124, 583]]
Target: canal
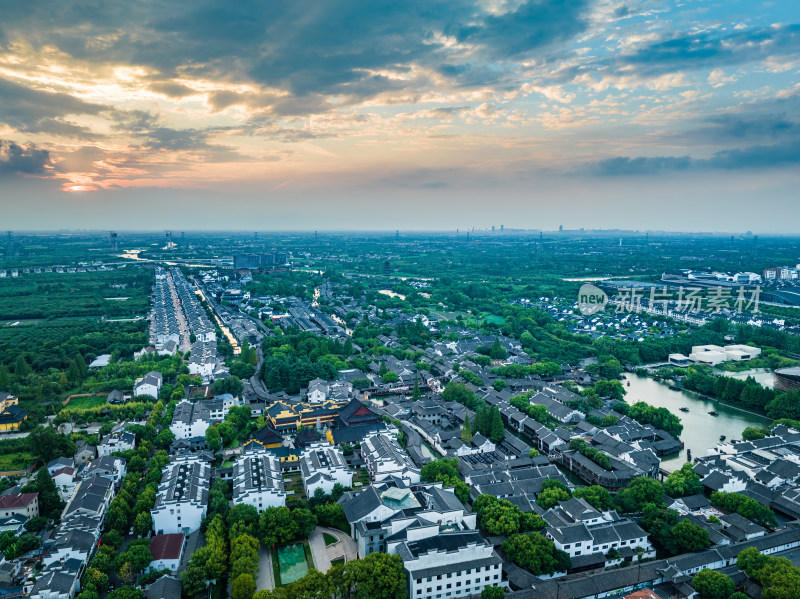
[[701, 430]]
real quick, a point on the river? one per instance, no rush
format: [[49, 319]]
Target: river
[[763, 376], [701, 430]]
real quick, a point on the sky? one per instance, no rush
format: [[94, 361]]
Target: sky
[[412, 114]]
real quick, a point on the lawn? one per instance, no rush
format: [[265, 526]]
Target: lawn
[[86, 402], [15, 461], [329, 539]]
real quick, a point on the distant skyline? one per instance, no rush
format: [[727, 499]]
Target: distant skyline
[[418, 115]]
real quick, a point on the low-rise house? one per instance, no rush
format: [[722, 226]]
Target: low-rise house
[[120, 441], [84, 453], [578, 529], [23, 504], [110, 467], [149, 384], [167, 551], [66, 480], [59, 463], [191, 419]]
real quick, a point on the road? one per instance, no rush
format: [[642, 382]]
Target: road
[[266, 577]]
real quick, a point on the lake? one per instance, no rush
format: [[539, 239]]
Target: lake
[[701, 430]]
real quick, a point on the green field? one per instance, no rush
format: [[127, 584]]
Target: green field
[[15, 461], [89, 401]]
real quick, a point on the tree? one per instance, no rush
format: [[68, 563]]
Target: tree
[[754, 433], [683, 482], [21, 369], [243, 587], [497, 351], [390, 377], [229, 384], [492, 592], [536, 554], [142, 523], [466, 432], [712, 584], [596, 496], [127, 592], [416, 393], [213, 439], [50, 504], [550, 497], [47, 444], [497, 430], [380, 575], [640, 492], [689, 537]]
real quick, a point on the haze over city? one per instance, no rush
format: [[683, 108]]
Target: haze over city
[[633, 114]]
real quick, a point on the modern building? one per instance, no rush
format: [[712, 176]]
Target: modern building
[[182, 497], [257, 479], [787, 379], [385, 514], [322, 467], [454, 564], [384, 458], [715, 354]]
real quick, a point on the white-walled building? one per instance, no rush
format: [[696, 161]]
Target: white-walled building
[[322, 466], [121, 441], [192, 419], [166, 551], [384, 458], [149, 384], [182, 497], [257, 480], [454, 564], [716, 354]]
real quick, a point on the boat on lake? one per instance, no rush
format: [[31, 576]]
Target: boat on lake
[[684, 409], [713, 413]]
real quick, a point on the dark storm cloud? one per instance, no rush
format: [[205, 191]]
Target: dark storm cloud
[[326, 48], [35, 111], [16, 159], [750, 158]]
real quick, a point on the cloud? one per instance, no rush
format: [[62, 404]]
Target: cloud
[[624, 165], [750, 158], [16, 159], [342, 47], [707, 49], [35, 111]]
